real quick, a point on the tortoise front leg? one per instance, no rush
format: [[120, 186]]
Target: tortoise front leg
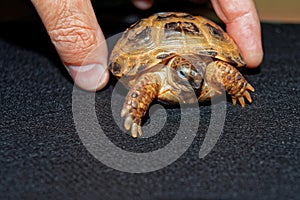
[[137, 102], [221, 74]]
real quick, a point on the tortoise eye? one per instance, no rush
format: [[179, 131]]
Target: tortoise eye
[[183, 72]]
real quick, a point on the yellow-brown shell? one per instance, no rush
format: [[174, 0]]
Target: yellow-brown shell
[[150, 41]]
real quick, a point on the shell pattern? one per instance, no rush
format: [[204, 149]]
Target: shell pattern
[[172, 57], [149, 41]]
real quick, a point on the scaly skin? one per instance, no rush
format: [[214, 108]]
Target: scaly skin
[[221, 74], [137, 102]]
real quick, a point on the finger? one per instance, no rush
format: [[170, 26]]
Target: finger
[[78, 39], [243, 25], [142, 4]]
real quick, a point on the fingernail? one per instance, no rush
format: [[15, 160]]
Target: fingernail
[[91, 77], [143, 4]]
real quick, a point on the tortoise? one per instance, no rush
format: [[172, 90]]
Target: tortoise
[[171, 57]]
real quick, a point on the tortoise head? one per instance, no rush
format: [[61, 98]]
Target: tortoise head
[[187, 71], [184, 77]]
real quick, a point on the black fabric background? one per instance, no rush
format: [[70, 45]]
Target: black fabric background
[[41, 155]]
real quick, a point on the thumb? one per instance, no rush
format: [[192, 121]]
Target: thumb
[[78, 39]]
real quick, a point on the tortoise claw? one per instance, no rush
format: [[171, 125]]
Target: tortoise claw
[[242, 101], [247, 96], [241, 96], [249, 87], [136, 130], [124, 112], [131, 121], [128, 123], [233, 101]]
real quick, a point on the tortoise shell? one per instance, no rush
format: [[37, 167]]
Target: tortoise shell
[[175, 57], [152, 40]]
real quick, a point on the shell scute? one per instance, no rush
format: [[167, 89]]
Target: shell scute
[[151, 40]]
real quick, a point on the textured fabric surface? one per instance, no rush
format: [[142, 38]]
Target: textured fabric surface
[[42, 156]]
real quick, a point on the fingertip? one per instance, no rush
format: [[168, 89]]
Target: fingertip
[[142, 4], [253, 59], [91, 77], [247, 36], [243, 25]]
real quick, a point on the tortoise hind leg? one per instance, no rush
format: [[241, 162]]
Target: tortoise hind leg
[[137, 102], [221, 74]]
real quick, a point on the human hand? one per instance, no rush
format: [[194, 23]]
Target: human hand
[[78, 39], [242, 24], [80, 43]]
